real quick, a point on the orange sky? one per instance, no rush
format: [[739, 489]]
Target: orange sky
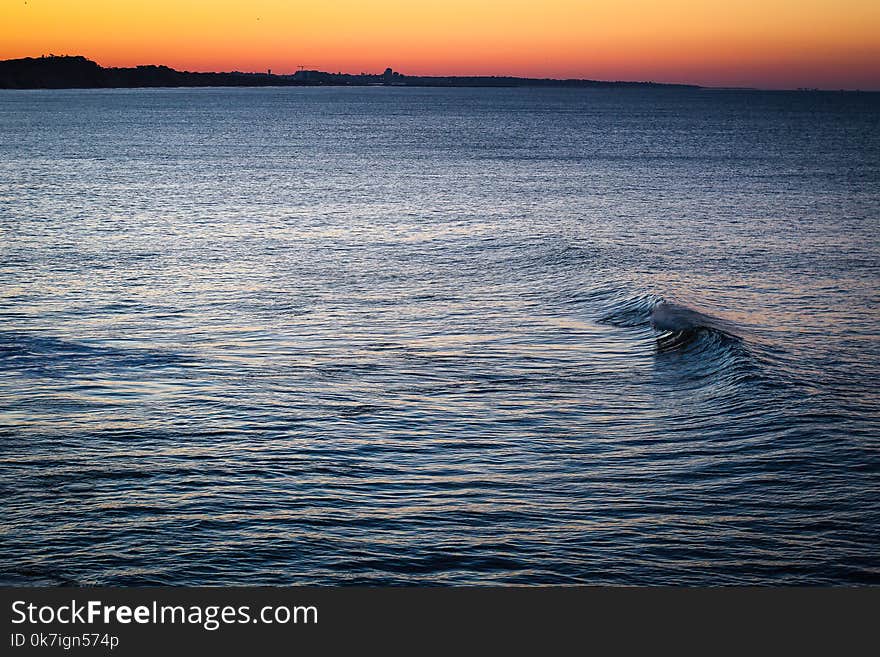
[[765, 43]]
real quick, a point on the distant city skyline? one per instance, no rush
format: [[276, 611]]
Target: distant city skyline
[[771, 44]]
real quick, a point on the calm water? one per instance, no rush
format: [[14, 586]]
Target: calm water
[[381, 335]]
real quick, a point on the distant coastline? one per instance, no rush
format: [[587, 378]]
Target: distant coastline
[[77, 72]]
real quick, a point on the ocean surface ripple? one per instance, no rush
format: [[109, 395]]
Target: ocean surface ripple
[[439, 336]]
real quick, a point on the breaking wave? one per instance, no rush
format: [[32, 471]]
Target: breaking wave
[[694, 343]]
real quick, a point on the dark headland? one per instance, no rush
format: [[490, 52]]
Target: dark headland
[[69, 72]]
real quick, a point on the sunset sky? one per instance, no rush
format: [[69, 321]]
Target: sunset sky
[[764, 43]]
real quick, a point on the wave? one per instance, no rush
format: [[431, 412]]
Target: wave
[[701, 344], [669, 317], [663, 316], [625, 311]]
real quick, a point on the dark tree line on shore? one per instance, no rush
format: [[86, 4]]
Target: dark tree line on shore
[[65, 72]]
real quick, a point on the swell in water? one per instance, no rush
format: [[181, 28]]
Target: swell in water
[[697, 344], [674, 323]]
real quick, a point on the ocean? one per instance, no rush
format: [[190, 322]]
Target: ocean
[[439, 336]]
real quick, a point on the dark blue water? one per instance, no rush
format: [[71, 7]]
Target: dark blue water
[[384, 335]]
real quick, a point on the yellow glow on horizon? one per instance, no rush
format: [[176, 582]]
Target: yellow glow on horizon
[[776, 43]]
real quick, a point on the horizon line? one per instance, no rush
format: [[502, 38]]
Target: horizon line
[[300, 69]]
